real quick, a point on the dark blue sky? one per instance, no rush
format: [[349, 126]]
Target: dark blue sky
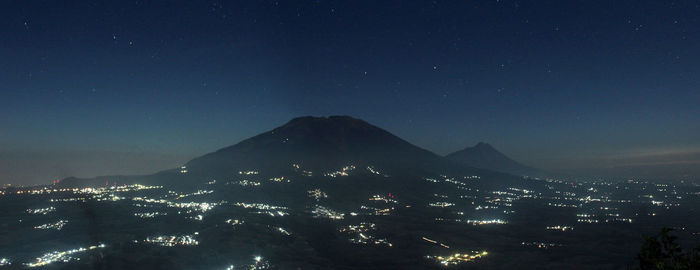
[[134, 87]]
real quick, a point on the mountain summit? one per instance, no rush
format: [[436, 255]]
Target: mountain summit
[[318, 143], [484, 156]]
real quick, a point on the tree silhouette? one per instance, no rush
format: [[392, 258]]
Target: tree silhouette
[[661, 252]]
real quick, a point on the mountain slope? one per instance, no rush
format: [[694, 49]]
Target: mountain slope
[[484, 156], [318, 143]]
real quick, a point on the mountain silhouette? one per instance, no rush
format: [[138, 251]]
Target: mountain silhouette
[[484, 156], [311, 145], [318, 143]]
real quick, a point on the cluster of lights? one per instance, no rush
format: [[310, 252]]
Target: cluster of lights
[[343, 172], [248, 183], [614, 217], [194, 206], [89, 191], [282, 230], [587, 220], [485, 221], [280, 179], [458, 258], [234, 222], [148, 200], [382, 198], [432, 180], [369, 239], [441, 204], [258, 264], [560, 228], [322, 211], [499, 198], [373, 170], [248, 172], [540, 245], [272, 213], [69, 200], [316, 194], [361, 234], [189, 207], [183, 169], [363, 227], [265, 209], [173, 240], [377, 211], [563, 205], [426, 239], [259, 206], [98, 194], [149, 214], [41, 211], [108, 197], [625, 220], [60, 256], [5, 262], [453, 181], [197, 193], [56, 225]]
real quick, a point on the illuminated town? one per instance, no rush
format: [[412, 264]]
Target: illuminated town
[[56, 225], [173, 240], [362, 234], [452, 206], [458, 258], [61, 256]]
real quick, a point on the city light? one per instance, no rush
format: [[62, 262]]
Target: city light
[[60, 256], [173, 240], [41, 211], [458, 258], [56, 225], [324, 212]]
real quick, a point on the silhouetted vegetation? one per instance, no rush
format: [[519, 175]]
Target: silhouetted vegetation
[[661, 251]]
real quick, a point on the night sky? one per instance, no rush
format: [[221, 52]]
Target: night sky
[[118, 87]]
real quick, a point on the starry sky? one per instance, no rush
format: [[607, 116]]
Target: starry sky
[[120, 87]]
